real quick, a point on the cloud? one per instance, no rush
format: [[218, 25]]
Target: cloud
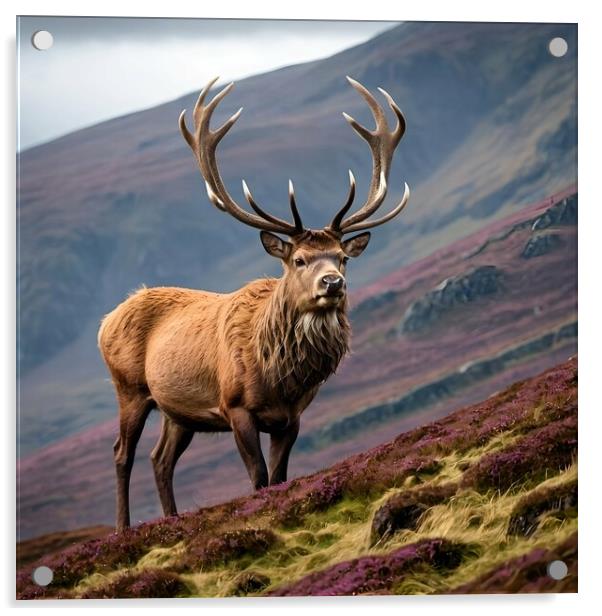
[[99, 68], [76, 30]]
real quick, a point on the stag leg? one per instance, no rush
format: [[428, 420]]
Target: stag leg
[[281, 444], [133, 411], [247, 440], [172, 443]]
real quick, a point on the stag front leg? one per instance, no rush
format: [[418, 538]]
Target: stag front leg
[[281, 444], [247, 440]]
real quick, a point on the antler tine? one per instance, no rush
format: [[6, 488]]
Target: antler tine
[[204, 143], [293, 204], [226, 126], [382, 142], [251, 201], [368, 224], [214, 198], [207, 111], [218, 134], [196, 115], [268, 216], [336, 221], [358, 128], [198, 106], [400, 129], [184, 130], [377, 111]]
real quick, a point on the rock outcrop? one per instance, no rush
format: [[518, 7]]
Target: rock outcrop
[[453, 291], [538, 245], [562, 213]]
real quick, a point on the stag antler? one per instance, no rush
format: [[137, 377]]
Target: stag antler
[[203, 144], [382, 144]]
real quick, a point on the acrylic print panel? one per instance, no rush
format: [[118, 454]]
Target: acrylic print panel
[[163, 308]]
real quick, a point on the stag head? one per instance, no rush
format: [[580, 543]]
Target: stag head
[[314, 260]]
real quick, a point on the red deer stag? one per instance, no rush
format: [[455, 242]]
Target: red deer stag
[[250, 361]]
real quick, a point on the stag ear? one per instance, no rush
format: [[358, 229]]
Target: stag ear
[[275, 246], [354, 246]]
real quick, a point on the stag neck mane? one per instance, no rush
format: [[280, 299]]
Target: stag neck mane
[[298, 350]]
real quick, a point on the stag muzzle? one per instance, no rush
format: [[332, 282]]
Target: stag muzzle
[[331, 290], [333, 285]]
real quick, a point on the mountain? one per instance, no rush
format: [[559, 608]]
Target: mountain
[[478, 502], [491, 127], [472, 288], [447, 330]]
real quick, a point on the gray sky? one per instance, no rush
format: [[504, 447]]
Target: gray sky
[[99, 68]]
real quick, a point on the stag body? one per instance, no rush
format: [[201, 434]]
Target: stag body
[[250, 361]]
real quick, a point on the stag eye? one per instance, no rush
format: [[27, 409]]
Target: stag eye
[[345, 260], [299, 262]]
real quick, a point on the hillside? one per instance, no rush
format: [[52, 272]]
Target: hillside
[[485, 311], [480, 501], [120, 204]]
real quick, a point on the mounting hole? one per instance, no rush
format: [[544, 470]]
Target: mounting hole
[[42, 576], [558, 47], [557, 570], [42, 40]]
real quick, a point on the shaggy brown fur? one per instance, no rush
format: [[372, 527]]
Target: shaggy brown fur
[[298, 351], [247, 361]]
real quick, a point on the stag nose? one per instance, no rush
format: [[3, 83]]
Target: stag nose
[[333, 283]]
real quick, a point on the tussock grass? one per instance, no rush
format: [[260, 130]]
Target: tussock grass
[[481, 521], [342, 533], [445, 496]]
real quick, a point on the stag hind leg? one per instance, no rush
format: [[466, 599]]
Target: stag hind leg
[[134, 407], [171, 445]]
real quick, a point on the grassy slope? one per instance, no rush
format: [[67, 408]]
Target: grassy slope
[[538, 296], [479, 501]]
